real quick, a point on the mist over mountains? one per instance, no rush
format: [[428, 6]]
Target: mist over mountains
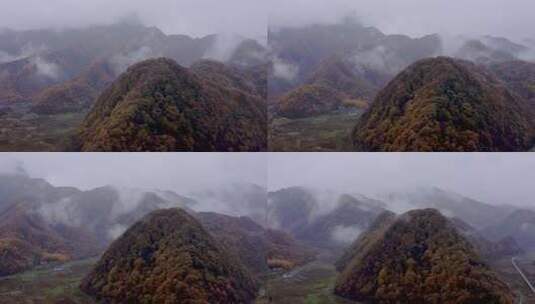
[[322, 219], [345, 83], [257, 225]]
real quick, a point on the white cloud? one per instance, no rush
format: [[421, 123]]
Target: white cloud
[[284, 70], [346, 234]]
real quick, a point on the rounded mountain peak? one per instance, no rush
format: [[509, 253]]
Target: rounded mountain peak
[[445, 104], [418, 257], [158, 105], [168, 257]]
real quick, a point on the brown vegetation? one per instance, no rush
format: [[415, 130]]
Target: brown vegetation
[[158, 105], [442, 104], [168, 257], [418, 258]]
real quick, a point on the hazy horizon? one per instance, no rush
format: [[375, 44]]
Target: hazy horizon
[[180, 172], [493, 178], [500, 178], [416, 17], [195, 18]]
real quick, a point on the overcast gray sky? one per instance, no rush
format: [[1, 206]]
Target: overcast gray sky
[[512, 18], [498, 178], [501, 178], [193, 17], [181, 172]]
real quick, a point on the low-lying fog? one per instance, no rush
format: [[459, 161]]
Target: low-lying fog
[[277, 190]]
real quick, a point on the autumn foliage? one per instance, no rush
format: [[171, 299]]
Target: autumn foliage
[[168, 257], [443, 104], [418, 257]]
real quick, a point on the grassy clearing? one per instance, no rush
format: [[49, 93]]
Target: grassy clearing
[[23, 131], [311, 284], [50, 284], [325, 133]]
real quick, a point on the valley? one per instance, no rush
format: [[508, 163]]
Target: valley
[[25, 131], [55, 283], [56, 97], [412, 94], [323, 133], [65, 245]]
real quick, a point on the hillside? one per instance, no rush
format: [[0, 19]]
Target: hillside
[[418, 257], [474, 212], [257, 248], [290, 209], [443, 104], [519, 77], [28, 240], [339, 227], [334, 85], [158, 105], [77, 94], [375, 57], [41, 223], [520, 225], [168, 257]]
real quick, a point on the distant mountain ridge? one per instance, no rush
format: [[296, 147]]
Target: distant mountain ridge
[[47, 67]]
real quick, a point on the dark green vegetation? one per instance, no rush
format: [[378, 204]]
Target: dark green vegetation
[[444, 104], [158, 105], [168, 257], [418, 258]]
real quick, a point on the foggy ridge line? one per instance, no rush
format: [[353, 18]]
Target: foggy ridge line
[[513, 260]]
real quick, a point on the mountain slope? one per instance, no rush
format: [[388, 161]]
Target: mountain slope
[[375, 56], [443, 104], [419, 258], [168, 257], [77, 94], [290, 209], [520, 225], [257, 248], [28, 240], [519, 77], [340, 226], [476, 213], [333, 85], [158, 105]]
